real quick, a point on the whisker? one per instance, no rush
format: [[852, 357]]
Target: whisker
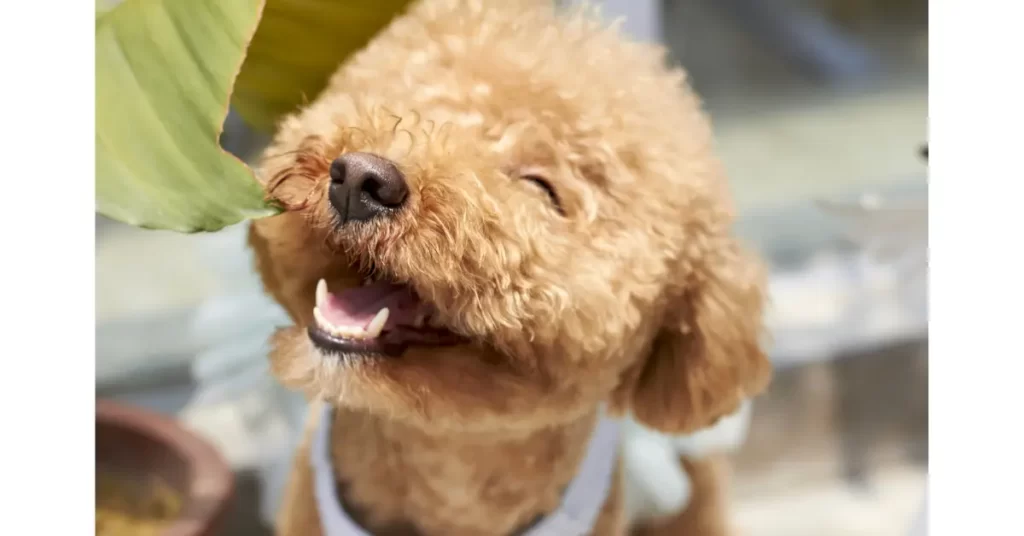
[[279, 155], [278, 179]]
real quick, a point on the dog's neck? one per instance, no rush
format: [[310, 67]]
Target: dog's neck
[[396, 479]]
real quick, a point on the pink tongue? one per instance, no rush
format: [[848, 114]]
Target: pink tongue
[[357, 306]]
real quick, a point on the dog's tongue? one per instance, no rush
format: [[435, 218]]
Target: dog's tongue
[[358, 306]]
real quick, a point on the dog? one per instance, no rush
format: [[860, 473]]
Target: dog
[[504, 229]]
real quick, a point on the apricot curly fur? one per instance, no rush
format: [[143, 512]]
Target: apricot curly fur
[[635, 296]]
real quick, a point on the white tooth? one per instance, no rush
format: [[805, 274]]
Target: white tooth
[[377, 324], [321, 321], [356, 333], [321, 292], [419, 320]]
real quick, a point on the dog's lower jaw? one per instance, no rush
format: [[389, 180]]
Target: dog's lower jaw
[[394, 478]]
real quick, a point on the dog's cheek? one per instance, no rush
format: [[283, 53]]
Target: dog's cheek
[[290, 259], [293, 359]]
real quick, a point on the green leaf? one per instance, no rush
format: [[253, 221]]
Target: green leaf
[[297, 46], [164, 70], [165, 73]]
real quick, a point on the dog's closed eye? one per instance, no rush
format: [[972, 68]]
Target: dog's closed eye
[[542, 183]]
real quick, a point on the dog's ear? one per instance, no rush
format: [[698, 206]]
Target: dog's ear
[[708, 356]]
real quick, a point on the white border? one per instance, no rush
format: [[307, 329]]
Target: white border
[[976, 360], [46, 220]]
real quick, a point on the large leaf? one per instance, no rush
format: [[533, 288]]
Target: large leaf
[[164, 70], [164, 76]]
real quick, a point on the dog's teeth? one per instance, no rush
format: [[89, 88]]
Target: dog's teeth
[[377, 324], [420, 318], [321, 292], [344, 332], [352, 332]]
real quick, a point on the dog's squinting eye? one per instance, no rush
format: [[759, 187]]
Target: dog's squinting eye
[[545, 186]]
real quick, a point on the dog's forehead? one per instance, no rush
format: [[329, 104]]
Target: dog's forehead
[[490, 68]]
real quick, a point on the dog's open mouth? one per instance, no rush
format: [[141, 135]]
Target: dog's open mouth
[[378, 317]]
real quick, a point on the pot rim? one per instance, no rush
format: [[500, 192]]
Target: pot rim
[[211, 485]]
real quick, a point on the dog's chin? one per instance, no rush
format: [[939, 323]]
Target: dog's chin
[[375, 375], [464, 388], [436, 389]]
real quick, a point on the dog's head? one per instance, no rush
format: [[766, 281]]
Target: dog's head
[[499, 220]]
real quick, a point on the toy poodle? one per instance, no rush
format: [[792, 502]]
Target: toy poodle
[[505, 230]]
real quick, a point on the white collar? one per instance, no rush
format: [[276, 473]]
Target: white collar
[[583, 500]]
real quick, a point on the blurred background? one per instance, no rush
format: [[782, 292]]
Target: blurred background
[[813, 101]]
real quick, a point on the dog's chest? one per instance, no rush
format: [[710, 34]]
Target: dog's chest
[[458, 489]]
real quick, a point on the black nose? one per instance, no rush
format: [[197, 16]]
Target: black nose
[[364, 186]]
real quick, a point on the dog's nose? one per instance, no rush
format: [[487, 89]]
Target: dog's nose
[[364, 186]]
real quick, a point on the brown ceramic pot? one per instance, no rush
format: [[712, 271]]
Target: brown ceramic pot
[[129, 439]]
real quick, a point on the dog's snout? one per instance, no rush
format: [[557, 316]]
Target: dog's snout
[[364, 186]]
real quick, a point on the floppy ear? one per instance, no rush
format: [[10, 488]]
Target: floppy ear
[[708, 356]]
